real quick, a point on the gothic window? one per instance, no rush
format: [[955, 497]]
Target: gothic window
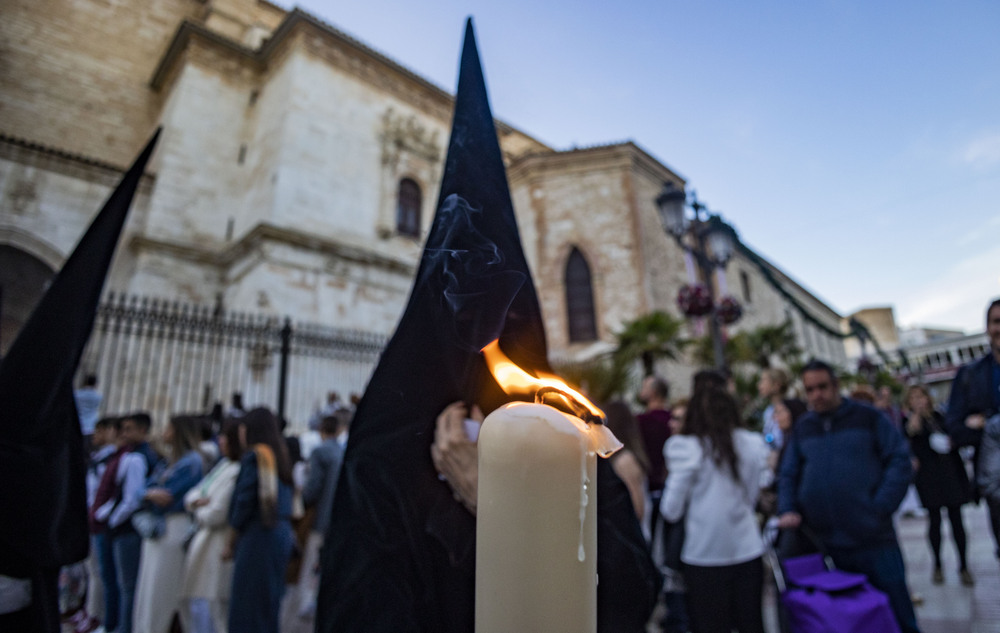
[[579, 299], [745, 286], [408, 208]]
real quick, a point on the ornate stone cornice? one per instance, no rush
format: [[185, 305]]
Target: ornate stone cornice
[[270, 233], [25, 152], [187, 31], [615, 155]]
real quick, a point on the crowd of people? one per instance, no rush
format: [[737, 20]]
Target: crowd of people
[[828, 472], [204, 529], [200, 531]]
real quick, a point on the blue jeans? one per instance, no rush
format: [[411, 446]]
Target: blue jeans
[[883, 564], [676, 620], [127, 549], [106, 565]]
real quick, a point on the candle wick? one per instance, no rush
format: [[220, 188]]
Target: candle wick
[[577, 408]]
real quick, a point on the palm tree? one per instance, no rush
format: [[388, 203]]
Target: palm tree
[[762, 344], [703, 351], [649, 338], [601, 379]]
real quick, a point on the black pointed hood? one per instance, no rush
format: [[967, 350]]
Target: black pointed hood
[[399, 547], [41, 450], [473, 284], [399, 554]]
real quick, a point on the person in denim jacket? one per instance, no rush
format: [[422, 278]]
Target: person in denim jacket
[[161, 568]]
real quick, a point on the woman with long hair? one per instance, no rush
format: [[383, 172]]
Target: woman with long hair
[[260, 514], [630, 463], [207, 578], [784, 415], [941, 480], [161, 566], [714, 473]]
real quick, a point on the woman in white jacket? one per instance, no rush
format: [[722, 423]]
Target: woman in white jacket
[[207, 577], [714, 474]]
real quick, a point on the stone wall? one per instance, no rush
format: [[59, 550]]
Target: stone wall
[[74, 75], [275, 183]]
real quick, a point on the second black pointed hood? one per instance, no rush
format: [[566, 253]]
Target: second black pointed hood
[[41, 449]]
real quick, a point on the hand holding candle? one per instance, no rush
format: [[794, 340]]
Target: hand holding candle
[[454, 452]]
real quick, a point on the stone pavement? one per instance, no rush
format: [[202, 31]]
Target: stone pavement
[[949, 607], [952, 607]]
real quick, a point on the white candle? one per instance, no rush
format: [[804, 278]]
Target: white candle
[[536, 526]]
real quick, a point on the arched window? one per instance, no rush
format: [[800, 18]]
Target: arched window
[[408, 208], [23, 280], [579, 299]]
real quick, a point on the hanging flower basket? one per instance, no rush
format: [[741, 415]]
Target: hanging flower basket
[[694, 300], [729, 311], [866, 367]]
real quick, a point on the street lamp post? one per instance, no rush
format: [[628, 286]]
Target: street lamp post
[[708, 239]]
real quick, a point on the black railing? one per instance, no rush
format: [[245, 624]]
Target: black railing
[[167, 357]]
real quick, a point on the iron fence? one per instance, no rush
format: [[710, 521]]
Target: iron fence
[[167, 357]]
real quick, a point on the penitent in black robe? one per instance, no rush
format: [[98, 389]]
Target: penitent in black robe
[[399, 555], [41, 448]]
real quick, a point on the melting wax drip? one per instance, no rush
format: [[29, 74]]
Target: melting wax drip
[[581, 554]]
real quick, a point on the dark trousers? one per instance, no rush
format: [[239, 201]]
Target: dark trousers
[[725, 598], [883, 564], [676, 619], [127, 548], [957, 533], [994, 506], [655, 518], [106, 565]]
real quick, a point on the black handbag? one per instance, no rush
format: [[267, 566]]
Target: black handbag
[[673, 543]]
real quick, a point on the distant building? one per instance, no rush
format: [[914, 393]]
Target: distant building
[[919, 355], [297, 176], [911, 337]]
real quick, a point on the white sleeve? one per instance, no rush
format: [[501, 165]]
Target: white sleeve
[[683, 455], [133, 473], [216, 513], [764, 476]]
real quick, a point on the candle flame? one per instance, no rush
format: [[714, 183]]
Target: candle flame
[[516, 381]]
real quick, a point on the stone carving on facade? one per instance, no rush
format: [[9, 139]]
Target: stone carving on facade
[[22, 196], [409, 150], [401, 133]]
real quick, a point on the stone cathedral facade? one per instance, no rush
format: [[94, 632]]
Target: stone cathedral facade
[[297, 175]]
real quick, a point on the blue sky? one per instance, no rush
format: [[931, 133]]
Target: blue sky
[[856, 144]]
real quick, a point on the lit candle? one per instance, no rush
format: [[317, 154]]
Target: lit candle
[[536, 525]]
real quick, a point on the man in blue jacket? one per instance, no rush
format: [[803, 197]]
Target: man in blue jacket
[[975, 398], [845, 470]]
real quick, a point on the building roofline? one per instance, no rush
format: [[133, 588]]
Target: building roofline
[[636, 152], [785, 277], [293, 18]]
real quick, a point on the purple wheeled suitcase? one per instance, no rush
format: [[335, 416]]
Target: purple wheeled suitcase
[[819, 599]]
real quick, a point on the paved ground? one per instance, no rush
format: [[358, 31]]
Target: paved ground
[[949, 607], [952, 607]]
